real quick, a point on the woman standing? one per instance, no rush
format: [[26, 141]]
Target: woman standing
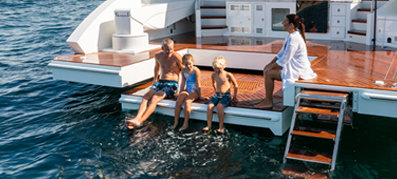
[[291, 63]]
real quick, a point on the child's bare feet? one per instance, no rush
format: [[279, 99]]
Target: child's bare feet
[[221, 130], [184, 127], [131, 124], [206, 128], [174, 126]]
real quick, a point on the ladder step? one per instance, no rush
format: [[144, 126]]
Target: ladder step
[[320, 103], [309, 156], [314, 132], [317, 111], [341, 95], [302, 172], [348, 120]]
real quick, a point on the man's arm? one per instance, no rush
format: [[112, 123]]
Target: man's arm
[[179, 61], [183, 83], [156, 68]]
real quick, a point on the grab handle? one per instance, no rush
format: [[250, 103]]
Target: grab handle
[[378, 96]]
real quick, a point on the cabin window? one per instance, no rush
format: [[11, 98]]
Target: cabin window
[[245, 30], [259, 30], [235, 29], [235, 7], [278, 15], [314, 14], [259, 7], [245, 7]]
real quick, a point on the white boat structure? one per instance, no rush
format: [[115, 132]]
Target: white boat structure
[[115, 45]]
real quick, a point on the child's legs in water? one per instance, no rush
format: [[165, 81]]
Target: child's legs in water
[[178, 107]]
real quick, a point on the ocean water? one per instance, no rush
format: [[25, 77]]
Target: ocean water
[[56, 129]]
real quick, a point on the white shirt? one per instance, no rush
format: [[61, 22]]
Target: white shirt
[[293, 58]]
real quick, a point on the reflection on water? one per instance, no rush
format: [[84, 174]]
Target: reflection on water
[[154, 150]]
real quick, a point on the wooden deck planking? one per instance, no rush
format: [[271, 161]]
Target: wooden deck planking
[[246, 95], [339, 67]]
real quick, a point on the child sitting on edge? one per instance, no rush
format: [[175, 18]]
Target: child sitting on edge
[[221, 80], [190, 90]]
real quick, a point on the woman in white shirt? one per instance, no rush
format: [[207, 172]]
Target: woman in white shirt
[[291, 63]]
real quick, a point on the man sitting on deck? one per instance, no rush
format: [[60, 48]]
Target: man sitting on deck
[[170, 63]]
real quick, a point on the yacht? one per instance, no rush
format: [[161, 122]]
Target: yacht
[[351, 45]]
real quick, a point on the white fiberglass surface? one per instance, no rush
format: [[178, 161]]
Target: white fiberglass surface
[[235, 59]]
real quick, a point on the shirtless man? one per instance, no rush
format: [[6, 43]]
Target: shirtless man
[[170, 63]]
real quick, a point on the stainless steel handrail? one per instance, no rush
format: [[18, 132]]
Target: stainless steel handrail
[[197, 4]]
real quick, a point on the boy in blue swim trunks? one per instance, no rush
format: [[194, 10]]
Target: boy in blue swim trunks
[[221, 82], [170, 63]]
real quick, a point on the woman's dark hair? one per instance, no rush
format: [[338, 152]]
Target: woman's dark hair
[[295, 20]]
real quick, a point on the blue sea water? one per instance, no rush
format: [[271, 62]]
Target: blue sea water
[[56, 129]]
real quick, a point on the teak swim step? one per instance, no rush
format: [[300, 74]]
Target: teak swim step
[[314, 132]]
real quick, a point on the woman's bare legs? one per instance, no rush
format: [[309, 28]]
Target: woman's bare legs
[[188, 110], [273, 74], [178, 107], [210, 113]]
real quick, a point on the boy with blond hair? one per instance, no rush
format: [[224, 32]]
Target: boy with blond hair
[[221, 82]]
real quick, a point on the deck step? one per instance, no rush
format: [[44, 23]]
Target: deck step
[[213, 17], [359, 21], [364, 10], [321, 104], [342, 95], [301, 172], [213, 7], [312, 110], [213, 27], [309, 156], [357, 32], [314, 132]]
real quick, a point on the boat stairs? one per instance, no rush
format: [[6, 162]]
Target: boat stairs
[[355, 80]]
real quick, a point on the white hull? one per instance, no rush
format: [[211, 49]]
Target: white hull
[[277, 122]]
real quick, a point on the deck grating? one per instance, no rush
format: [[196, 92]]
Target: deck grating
[[250, 91]]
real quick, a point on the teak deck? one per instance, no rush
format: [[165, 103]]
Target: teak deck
[[337, 63], [250, 91]]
